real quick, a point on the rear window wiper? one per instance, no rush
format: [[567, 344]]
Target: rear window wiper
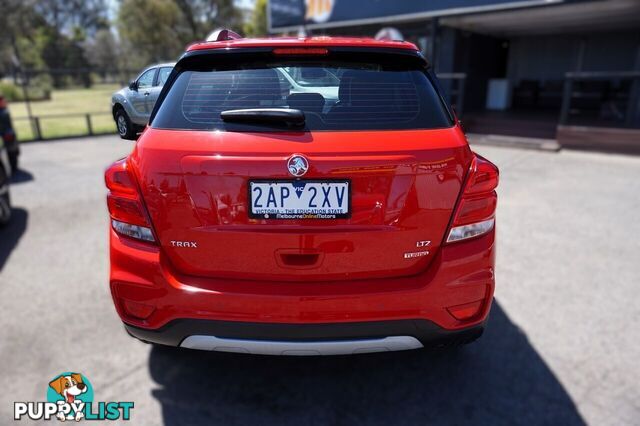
[[289, 116]]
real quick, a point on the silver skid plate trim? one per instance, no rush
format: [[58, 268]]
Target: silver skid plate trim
[[311, 348]]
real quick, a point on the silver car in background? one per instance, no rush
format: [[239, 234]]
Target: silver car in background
[[131, 106]]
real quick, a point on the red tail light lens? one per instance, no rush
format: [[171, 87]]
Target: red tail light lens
[[483, 176], [128, 215], [475, 213]]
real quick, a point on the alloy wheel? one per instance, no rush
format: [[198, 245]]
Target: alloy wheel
[[122, 125]]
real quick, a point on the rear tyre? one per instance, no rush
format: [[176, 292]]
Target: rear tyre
[[126, 129], [5, 199]]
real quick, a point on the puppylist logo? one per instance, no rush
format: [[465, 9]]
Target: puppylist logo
[[70, 397]]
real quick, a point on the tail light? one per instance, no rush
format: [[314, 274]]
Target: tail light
[[128, 215], [475, 214]]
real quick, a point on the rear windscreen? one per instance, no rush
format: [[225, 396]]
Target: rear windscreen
[[332, 96]]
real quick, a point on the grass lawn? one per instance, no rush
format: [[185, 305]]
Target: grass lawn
[[95, 101]]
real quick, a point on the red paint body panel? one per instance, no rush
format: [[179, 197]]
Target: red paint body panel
[[278, 42], [460, 273], [404, 187]]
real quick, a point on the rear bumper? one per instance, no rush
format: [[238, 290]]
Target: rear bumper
[[159, 305], [304, 339]]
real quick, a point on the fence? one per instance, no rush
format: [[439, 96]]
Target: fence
[[43, 127], [62, 102]]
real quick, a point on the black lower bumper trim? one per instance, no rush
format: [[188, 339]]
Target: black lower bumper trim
[[425, 331]]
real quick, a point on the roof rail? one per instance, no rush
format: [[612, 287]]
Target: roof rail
[[223, 34]]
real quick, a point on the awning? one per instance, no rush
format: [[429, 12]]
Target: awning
[[590, 16]]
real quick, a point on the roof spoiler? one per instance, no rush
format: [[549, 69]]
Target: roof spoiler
[[223, 34]]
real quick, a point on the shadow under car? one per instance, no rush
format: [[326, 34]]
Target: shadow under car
[[500, 379]]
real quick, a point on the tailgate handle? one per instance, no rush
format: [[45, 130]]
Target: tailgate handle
[[298, 260]]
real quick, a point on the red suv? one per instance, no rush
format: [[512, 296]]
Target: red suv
[[302, 197]]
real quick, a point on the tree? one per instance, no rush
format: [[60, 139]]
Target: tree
[[67, 24], [157, 30], [47, 35], [204, 16], [103, 52], [18, 23], [153, 30], [74, 18], [257, 27]]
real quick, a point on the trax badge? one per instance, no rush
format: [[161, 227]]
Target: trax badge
[[297, 165], [185, 244]]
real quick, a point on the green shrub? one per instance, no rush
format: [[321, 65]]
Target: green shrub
[[39, 89], [10, 91]]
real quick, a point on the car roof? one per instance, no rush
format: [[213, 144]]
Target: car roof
[[154, 66], [165, 64], [301, 42]]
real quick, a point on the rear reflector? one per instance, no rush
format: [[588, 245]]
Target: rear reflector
[[466, 311], [137, 310], [133, 231]]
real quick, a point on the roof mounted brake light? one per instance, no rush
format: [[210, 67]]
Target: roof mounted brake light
[[300, 51]]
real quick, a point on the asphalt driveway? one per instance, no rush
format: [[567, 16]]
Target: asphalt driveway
[[562, 345]]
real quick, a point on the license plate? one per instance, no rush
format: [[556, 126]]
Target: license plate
[[299, 199]]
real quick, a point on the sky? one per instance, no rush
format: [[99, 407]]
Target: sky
[[246, 4]]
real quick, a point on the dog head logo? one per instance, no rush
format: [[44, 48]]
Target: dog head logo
[[72, 393], [69, 387]]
